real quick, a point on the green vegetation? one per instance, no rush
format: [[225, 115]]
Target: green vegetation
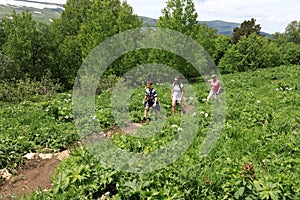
[[40, 15], [223, 27], [255, 157], [246, 29], [32, 121], [33, 49]]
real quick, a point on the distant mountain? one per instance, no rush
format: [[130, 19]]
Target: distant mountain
[[41, 11], [222, 26], [46, 11]]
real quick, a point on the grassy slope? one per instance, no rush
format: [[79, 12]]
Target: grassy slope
[[262, 128], [45, 17], [262, 119]]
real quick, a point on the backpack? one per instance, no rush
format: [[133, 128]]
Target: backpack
[[178, 85]]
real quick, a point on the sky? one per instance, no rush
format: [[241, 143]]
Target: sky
[[272, 15]]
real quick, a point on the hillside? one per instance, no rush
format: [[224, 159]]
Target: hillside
[[258, 149], [222, 26], [47, 11], [41, 15]]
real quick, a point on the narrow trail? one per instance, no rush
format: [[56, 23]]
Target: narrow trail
[[132, 127], [36, 173]]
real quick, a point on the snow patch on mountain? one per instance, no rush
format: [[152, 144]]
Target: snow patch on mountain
[[39, 4]]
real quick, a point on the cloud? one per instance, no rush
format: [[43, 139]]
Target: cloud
[[147, 8], [272, 15]]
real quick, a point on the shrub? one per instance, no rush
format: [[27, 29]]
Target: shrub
[[19, 90]]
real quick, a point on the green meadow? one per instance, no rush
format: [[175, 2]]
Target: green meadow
[[256, 155]]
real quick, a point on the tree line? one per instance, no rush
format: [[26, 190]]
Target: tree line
[[31, 49]]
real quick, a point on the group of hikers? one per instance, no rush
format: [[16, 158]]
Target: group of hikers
[[151, 98]]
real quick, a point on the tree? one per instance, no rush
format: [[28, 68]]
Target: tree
[[25, 46], [106, 18], [74, 14], [2, 33], [279, 38], [289, 43], [290, 53], [66, 52], [206, 36], [246, 28], [222, 43], [250, 53], [179, 15], [292, 32]]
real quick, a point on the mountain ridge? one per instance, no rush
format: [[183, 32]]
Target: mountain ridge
[[53, 10], [223, 27]]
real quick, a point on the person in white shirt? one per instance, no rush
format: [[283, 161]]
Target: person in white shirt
[[177, 95]]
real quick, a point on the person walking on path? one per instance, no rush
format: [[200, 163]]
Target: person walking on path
[[215, 88], [177, 95], [150, 100]]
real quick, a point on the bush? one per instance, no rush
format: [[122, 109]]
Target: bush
[[107, 83], [19, 90], [249, 54]]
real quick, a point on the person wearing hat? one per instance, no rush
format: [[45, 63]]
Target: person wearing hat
[[215, 87], [150, 100], [177, 94]]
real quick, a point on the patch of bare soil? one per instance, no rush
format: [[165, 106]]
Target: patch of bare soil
[[33, 176], [131, 128], [36, 173], [189, 108]]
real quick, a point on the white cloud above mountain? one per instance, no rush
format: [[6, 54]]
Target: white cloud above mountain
[[272, 15]]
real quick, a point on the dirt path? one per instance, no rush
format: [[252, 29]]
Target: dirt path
[[36, 173]]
